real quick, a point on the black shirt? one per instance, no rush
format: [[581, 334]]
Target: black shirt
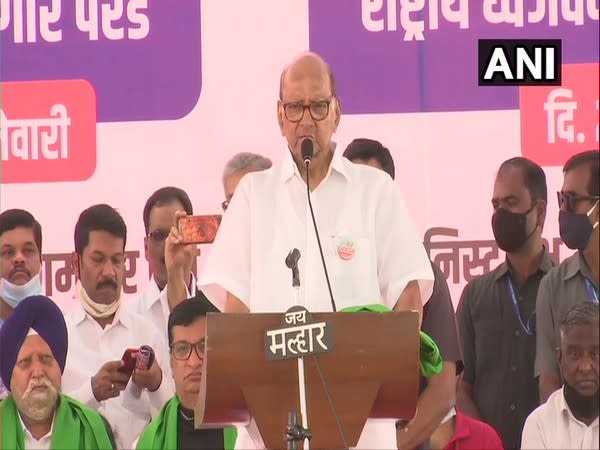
[[498, 354], [191, 439]]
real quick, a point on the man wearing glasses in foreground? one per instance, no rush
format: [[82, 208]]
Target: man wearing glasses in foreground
[[174, 428], [575, 280]]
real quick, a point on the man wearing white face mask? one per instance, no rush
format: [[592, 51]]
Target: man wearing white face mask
[[100, 329], [20, 262]]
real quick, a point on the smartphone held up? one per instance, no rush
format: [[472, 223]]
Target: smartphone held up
[[199, 229]]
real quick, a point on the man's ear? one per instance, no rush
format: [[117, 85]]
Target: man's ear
[[541, 213], [338, 112], [280, 115], [75, 264], [146, 248]]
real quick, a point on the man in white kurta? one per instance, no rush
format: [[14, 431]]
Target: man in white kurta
[[372, 250], [100, 329], [569, 418], [358, 210]]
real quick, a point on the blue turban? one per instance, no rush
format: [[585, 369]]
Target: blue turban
[[40, 314]]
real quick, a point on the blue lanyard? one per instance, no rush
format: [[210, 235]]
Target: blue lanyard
[[526, 327], [591, 290]]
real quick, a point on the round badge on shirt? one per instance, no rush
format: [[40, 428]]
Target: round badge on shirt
[[345, 248]]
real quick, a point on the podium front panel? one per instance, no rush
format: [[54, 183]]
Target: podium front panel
[[371, 371]]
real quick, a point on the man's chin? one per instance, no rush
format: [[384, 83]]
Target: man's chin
[[161, 277], [39, 407], [192, 387], [20, 279], [106, 296], [587, 389]]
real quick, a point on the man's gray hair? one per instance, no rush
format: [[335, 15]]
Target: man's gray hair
[[246, 161]]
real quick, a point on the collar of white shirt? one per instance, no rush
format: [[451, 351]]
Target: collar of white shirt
[[79, 315], [563, 407], [289, 168], [153, 294], [31, 443]]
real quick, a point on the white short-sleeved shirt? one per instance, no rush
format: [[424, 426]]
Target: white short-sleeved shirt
[[90, 347], [553, 426], [354, 205]]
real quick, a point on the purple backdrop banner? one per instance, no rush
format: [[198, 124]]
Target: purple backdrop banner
[[393, 56], [141, 56]]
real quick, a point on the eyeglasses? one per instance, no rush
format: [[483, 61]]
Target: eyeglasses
[[182, 350], [570, 200], [294, 111], [225, 205], [158, 235]]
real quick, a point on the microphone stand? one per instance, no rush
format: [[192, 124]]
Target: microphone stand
[[298, 432]]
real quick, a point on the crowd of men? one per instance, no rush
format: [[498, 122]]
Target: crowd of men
[[520, 354]]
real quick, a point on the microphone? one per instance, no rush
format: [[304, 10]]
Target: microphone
[[291, 261], [307, 154], [307, 148]]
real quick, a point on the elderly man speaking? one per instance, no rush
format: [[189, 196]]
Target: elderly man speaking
[[36, 415]]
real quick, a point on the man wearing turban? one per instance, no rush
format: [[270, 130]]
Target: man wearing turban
[[36, 415]]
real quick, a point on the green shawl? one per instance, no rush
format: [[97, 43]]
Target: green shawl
[[431, 359], [75, 426], [163, 430]]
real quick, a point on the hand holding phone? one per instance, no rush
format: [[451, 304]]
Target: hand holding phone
[[129, 358], [144, 358], [199, 229]]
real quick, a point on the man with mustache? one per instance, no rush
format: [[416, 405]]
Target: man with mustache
[[173, 428], [20, 262], [569, 418], [101, 329], [370, 245], [36, 415]]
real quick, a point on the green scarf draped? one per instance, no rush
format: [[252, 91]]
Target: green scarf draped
[[431, 359], [162, 432], [75, 427]]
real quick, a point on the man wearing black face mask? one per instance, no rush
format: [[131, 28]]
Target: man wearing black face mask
[[569, 419], [496, 310], [576, 278]]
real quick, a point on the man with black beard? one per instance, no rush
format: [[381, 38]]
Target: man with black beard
[[496, 310], [569, 419]]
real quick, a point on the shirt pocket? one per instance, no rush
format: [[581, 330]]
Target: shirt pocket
[[489, 343], [353, 267]]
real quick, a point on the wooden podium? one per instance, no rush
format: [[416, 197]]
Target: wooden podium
[[372, 371]]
